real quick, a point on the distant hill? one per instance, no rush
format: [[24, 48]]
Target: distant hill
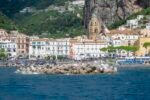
[[11, 7], [6, 23], [50, 23]]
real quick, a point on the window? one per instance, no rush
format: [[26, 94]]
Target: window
[[22, 46], [33, 42], [39, 47], [96, 30], [38, 42], [33, 47], [14, 50]]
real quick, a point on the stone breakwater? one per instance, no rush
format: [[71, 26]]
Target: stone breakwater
[[68, 69]]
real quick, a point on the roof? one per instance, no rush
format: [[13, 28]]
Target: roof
[[86, 41], [41, 39], [126, 31]]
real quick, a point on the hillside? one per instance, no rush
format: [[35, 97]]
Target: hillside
[[11, 7], [110, 11], [6, 23], [145, 12], [56, 18], [50, 18], [51, 23]]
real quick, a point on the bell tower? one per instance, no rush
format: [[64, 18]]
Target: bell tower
[[94, 27]]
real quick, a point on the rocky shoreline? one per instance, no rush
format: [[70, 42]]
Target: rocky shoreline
[[78, 68]]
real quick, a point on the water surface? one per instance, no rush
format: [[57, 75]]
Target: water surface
[[127, 84]]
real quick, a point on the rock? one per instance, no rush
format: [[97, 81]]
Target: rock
[[110, 11], [81, 68]]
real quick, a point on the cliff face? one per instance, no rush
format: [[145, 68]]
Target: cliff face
[[112, 10]]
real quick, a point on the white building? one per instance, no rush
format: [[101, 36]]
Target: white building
[[124, 39], [41, 48], [148, 26], [76, 3], [140, 17], [79, 3], [133, 23], [28, 10], [86, 49], [9, 47]]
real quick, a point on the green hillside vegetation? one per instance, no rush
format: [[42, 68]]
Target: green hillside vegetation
[[121, 22], [11, 7], [47, 24], [52, 24], [6, 23]]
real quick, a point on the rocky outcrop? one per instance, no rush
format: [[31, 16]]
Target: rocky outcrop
[[112, 10], [82, 68]]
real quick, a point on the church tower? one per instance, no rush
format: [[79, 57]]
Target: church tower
[[94, 27]]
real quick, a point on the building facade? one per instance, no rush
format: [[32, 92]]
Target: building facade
[[82, 49], [41, 48], [22, 42], [9, 47]]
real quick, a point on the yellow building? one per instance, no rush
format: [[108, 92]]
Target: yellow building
[[142, 50]]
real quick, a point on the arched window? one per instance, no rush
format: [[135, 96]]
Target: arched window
[[96, 30]]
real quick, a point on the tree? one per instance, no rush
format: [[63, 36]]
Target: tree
[[127, 48], [146, 45], [111, 49], [3, 54]]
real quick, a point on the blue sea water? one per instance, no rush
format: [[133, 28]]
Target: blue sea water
[[127, 84]]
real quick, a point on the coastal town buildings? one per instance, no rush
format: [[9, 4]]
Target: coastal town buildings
[[42, 48], [22, 41], [126, 37], [10, 48], [82, 49], [132, 24]]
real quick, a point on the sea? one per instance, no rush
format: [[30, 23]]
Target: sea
[[127, 84]]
